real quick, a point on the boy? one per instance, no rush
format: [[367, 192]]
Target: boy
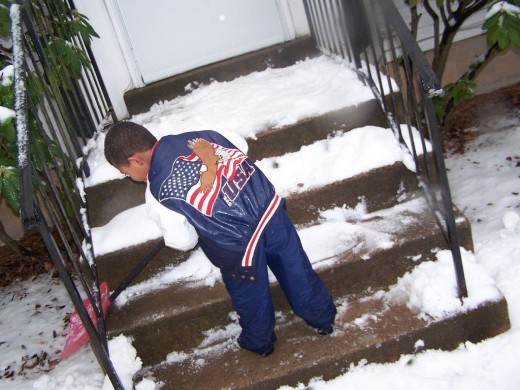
[[241, 223]]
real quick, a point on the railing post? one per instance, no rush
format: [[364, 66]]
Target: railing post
[[446, 198], [430, 87]]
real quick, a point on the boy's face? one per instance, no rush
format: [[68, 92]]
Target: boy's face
[[137, 168]]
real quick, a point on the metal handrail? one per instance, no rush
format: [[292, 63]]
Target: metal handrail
[[52, 128], [373, 38], [47, 171]]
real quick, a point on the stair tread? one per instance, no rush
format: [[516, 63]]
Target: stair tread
[[394, 182], [367, 327], [108, 199], [350, 269], [139, 100]]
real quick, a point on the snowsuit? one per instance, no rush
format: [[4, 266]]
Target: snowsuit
[[242, 228]]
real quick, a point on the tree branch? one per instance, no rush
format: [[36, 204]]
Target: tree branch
[[448, 7], [414, 23], [436, 30], [466, 9], [442, 11]]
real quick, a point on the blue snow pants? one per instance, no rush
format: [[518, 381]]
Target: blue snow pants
[[281, 250]]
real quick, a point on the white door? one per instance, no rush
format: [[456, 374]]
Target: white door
[[168, 37]]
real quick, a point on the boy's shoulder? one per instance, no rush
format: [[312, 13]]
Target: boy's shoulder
[[209, 135], [188, 135]]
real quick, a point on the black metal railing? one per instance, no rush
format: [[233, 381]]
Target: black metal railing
[[55, 117], [373, 37]]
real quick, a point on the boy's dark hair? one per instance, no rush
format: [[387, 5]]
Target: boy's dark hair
[[124, 139]]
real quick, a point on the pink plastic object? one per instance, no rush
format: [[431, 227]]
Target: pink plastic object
[[78, 336]]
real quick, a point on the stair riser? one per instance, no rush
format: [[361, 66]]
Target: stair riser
[[378, 189], [279, 56], [384, 267], [109, 199], [302, 208], [114, 267], [277, 142], [479, 324], [155, 340], [210, 309]]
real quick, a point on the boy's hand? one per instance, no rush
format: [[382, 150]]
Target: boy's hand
[[207, 179], [204, 150]]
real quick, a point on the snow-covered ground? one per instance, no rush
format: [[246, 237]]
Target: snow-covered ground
[[485, 185]]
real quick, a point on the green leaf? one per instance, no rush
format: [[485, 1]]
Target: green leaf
[[503, 29], [515, 38], [456, 92], [491, 22], [5, 20], [502, 40], [8, 131], [7, 96], [85, 29], [492, 36], [10, 187], [7, 162]]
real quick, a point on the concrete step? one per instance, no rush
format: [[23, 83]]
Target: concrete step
[[367, 328], [175, 317], [379, 188], [279, 56], [109, 199], [277, 142]]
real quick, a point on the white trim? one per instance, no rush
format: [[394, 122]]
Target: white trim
[[124, 40], [286, 20]]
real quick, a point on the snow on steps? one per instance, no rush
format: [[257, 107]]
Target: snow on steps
[[111, 198], [367, 253], [367, 330], [379, 188], [171, 324]]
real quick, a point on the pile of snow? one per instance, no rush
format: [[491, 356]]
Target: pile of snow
[[247, 105], [6, 79], [430, 289], [324, 162]]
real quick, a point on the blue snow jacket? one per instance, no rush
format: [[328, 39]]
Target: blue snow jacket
[[231, 217]]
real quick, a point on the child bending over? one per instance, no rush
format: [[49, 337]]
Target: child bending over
[[222, 198]]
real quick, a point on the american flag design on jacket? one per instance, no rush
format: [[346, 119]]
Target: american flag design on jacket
[[183, 182]]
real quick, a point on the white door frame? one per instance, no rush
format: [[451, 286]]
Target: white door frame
[[124, 42], [128, 51]]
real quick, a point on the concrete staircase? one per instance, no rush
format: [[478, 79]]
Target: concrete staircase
[[182, 332]]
